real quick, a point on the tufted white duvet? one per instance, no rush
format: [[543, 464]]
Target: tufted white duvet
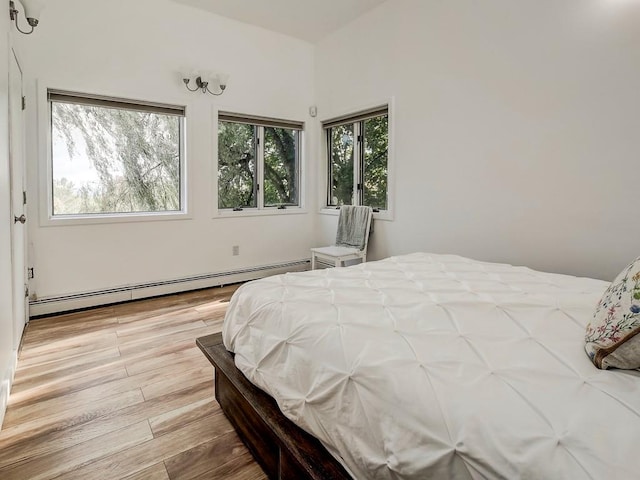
[[437, 366]]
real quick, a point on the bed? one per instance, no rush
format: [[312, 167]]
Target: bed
[[436, 366]]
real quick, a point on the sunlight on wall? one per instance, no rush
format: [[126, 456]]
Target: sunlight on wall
[[616, 5], [616, 17]]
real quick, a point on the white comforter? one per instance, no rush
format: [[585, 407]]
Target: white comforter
[[437, 366]]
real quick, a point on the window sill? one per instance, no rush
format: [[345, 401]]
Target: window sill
[[107, 218], [384, 215], [252, 212]]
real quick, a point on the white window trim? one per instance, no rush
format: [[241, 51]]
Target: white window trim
[[261, 210], [254, 212], [45, 165], [389, 213]]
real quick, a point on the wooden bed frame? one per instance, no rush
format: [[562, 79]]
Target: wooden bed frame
[[282, 449]]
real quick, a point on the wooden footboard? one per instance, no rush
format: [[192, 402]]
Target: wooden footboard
[[284, 450]]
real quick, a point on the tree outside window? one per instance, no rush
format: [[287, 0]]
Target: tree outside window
[[341, 168], [281, 146], [114, 157], [237, 158], [358, 150], [258, 163], [375, 162]]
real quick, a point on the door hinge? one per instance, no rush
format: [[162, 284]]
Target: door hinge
[[360, 138], [30, 274], [24, 103], [24, 197], [26, 291]]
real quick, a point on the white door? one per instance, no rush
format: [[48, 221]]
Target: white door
[[18, 200]]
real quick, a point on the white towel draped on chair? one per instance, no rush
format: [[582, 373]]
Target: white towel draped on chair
[[352, 237], [353, 226]]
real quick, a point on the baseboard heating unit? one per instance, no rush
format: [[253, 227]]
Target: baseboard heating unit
[[63, 303]]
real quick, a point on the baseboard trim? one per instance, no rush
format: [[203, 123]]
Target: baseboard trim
[[77, 301]]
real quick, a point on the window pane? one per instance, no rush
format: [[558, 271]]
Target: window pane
[[107, 160], [341, 165], [281, 148], [376, 146], [237, 185]]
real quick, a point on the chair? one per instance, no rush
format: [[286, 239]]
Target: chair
[[352, 238]]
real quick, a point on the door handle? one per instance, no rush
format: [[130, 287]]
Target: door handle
[[22, 219]]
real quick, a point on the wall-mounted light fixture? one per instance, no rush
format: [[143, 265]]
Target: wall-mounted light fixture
[[218, 83], [32, 10]]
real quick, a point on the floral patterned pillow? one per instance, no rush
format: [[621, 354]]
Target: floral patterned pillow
[[612, 339]]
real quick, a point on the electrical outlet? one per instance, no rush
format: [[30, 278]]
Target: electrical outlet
[[236, 250]]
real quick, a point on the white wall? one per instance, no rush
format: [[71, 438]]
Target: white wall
[[135, 49], [515, 130], [517, 126]]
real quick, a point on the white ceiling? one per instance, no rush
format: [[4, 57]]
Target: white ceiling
[[309, 20]]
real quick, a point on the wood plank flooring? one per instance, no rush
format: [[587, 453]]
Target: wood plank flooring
[[122, 392]]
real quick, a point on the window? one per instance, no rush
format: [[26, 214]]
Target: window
[[258, 162], [112, 156], [357, 151]]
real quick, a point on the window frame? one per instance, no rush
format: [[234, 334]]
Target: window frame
[[260, 122], [45, 165], [357, 116]]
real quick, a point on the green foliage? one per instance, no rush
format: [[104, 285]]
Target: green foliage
[[66, 197], [374, 162], [135, 154], [280, 166], [376, 137], [341, 144], [237, 154]]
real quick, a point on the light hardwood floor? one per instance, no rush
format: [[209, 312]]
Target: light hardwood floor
[[122, 392]]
